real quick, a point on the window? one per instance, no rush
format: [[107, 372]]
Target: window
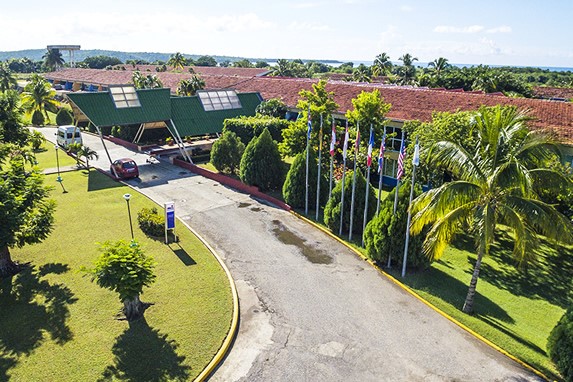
[[390, 167], [219, 100], [124, 96], [394, 142]]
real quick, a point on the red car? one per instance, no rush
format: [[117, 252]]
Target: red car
[[124, 168]]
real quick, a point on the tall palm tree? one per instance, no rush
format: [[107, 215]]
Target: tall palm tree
[[382, 65], [88, 153], [439, 65], [53, 59], [407, 72], [177, 61], [39, 95], [7, 81], [361, 74], [283, 68], [407, 59], [189, 87], [493, 184]]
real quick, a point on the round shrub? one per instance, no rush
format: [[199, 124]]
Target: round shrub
[[560, 345], [226, 152], [64, 117], [38, 118], [294, 187], [386, 233], [151, 222], [332, 208], [261, 163]]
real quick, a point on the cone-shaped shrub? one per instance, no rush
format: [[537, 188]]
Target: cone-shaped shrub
[[261, 163], [64, 117], [38, 118], [227, 152], [294, 188]]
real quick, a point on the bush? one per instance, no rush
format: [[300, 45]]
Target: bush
[[560, 345], [64, 117], [332, 208], [261, 163], [386, 233], [151, 222], [38, 118], [226, 152], [294, 188], [247, 128], [36, 139], [273, 107]]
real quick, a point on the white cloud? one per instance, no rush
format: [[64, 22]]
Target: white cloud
[[500, 29], [305, 5], [452, 29], [312, 26]]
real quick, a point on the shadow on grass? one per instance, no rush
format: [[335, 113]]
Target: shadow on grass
[[548, 278], [449, 289], [182, 254], [98, 181], [144, 354], [30, 307]]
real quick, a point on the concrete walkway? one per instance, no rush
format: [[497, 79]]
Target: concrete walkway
[[310, 309]]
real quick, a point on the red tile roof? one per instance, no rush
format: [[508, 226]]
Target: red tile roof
[[551, 92], [408, 103]]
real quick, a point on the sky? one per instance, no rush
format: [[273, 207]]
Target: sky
[[500, 32]]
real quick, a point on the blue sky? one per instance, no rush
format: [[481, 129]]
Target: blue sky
[[502, 32]]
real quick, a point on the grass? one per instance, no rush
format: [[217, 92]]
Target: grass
[[59, 326], [46, 157], [514, 309]]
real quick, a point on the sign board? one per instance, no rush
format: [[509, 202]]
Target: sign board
[[169, 215]]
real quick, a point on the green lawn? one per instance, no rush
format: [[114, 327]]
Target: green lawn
[[515, 310], [59, 326], [46, 157]]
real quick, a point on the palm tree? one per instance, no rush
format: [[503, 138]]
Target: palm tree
[[382, 65], [190, 86], [39, 95], [53, 59], [407, 59], [177, 61], [282, 68], [407, 72], [494, 184], [88, 153], [141, 81], [439, 65], [361, 74], [7, 81]]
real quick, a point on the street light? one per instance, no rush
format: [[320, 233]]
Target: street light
[[59, 178], [127, 197]]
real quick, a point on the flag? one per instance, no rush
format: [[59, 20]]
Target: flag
[[345, 147], [381, 155], [416, 158], [370, 146], [333, 139], [401, 156], [309, 124], [357, 143]]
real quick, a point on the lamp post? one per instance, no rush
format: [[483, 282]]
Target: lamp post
[[127, 197], [59, 178]]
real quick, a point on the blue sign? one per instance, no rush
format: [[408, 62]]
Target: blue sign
[[170, 215]]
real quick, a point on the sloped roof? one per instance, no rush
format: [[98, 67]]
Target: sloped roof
[[191, 119], [100, 108]]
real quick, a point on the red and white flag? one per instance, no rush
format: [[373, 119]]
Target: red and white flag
[[333, 139], [346, 137]]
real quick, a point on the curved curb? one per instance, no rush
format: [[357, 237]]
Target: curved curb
[[421, 299]]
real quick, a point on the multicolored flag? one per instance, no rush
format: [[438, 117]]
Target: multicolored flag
[[333, 139], [346, 137], [401, 156], [370, 146], [381, 155], [309, 124]]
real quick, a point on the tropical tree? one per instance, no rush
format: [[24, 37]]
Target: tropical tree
[[87, 153], [244, 63], [282, 68], [495, 183], [39, 96], [361, 74], [189, 87], [36, 140], [177, 61], [321, 102], [407, 72], [124, 268], [273, 107], [206, 61], [53, 59], [11, 130], [382, 65], [226, 152], [438, 66], [7, 81], [369, 109], [141, 81], [26, 213]]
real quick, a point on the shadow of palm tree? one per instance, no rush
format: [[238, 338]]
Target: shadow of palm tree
[[144, 354], [26, 318]]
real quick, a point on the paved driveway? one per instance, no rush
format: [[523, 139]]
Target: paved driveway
[[310, 309]]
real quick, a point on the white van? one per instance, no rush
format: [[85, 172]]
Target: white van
[[65, 135]]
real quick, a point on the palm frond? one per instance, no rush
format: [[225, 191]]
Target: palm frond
[[525, 240], [455, 159]]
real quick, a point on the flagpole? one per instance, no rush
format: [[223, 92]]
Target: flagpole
[[356, 147], [307, 160], [319, 163], [332, 141], [398, 176], [380, 171], [415, 162], [344, 149], [368, 162]]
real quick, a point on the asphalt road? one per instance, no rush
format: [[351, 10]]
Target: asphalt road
[[310, 309]]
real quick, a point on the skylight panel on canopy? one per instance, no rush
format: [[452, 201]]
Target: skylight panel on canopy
[[219, 100], [124, 96]]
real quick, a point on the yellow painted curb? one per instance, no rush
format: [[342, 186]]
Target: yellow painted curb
[[420, 298]]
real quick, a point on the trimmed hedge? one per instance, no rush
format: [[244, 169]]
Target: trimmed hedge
[[247, 128], [261, 164], [151, 222], [64, 117], [226, 153], [560, 345], [38, 118]]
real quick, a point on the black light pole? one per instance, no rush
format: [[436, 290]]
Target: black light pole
[[59, 178], [127, 197]]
